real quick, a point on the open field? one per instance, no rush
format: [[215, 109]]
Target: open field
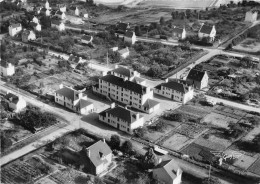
[[176, 142], [218, 120], [255, 168], [248, 45]]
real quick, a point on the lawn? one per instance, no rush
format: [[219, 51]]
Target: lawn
[[218, 120], [194, 110], [217, 138], [255, 167], [248, 45], [176, 142], [218, 146]]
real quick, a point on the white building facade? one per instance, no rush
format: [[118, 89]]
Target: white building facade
[[14, 29], [7, 69], [251, 16]]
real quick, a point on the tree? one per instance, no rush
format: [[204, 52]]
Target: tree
[[115, 142], [137, 31], [127, 146], [139, 132], [162, 21], [160, 126], [155, 71], [150, 159], [211, 180], [5, 142]]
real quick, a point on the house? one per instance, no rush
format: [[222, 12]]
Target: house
[[35, 20], [63, 8], [58, 24], [179, 33], [14, 29], [124, 73], [47, 5], [7, 69], [114, 49], [36, 26], [207, 31], [168, 172], [60, 15], [175, 90], [73, 100], [45, 11], [127, 92], [199, 79], [130, 37], [86, 39], [121, 27], [121, 118], [251, 16], [16, 103], [124, 52], [75, 10], [75, 59], [28, 35], [96, 158]]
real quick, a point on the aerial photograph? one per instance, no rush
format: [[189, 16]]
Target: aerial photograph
[[130, 91]]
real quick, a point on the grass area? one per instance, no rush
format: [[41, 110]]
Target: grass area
[[176, 142], [218, 120]]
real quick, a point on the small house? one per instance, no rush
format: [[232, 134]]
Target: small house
[[28, 35], [124, 53], [36, 26], [75, 10], [121, 27], [47, 5], [130, 37], [35, 20], [75, 59], [16, 103], [14, 29], [58, 24], [63, 8], [251, 16], [7, 69], [60, 14], [199, 79], [45, 11], [86, 39], [179, 33], [207, 31]]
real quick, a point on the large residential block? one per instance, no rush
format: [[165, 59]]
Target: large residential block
[[121, 118], [73, 99], [175, 90], [127, 92]]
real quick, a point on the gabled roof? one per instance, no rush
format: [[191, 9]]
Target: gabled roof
[[59, 12], [122, 26], [86, 37], [206, 29], [123, 51], [33, 24], [122, 71], [15, 25], [12, 98], [121, 113], [97, 150], [83, 103], [170, 167], [73, 8], [177, 30], [196, 75], [137, 88], [67, 92], [150, 103], [129, 34], [175, 85]]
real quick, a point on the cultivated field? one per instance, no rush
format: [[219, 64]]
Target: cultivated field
[[218, 120], [248, 45], [176, 142]]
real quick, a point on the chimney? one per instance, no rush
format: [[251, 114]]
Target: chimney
[[112, 105], [166, 80], [160, 160], [104, 140], [137, 116], [88, 152], [61, 85]]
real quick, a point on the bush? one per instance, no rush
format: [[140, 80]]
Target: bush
[[176, 117], [115, 142], [127, 147], [5, 142], [139, 132], [211, 180], [160, 126]]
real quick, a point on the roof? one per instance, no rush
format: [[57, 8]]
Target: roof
[[129, 34], [4, 64], [97, 150], [12, 98], [177, 86], [170, 167], [122, 71], [44, 9], [196, 75], [83, 103], [73, 58], [33, 24], [56, 22], [122, 26], [123, 51], [86, 37], [137, 88], [26, 32], [150, 103], [121, 113], [138, 80], [206, 29], [67, 92], [59, 12], [15, 25], [73, 7], [177, 30]]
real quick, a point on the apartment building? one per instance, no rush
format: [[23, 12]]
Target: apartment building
[[175, 90], [121, 118], [73, 99], [127, 92]]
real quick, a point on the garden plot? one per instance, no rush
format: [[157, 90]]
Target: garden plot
[[242, 160], [176, 142], [191, 130], [248, 45], [196, 151], [218, 120], [216, 140], [255, 167], [194, 111], [218, 146]]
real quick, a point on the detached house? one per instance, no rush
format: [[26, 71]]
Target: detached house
[[124, 53], [96, 158], [179, 33], [207, 31], [58, 24], [175, 90], [86, 39], [14, 29], [121, 27], [36, 26], [35, 20], [45, 11], [121, 118], [75, 10], [7, 69], [251, 16], [47, 5], [60, 14], [28, 35], [75, 59], [73, 99], [127, 92], [130, 37], [199, 79], [168, 172], [16, 103]]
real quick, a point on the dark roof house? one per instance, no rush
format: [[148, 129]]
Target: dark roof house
[[175, 85], [197, 78]]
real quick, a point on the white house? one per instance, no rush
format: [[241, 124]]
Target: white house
[[175, 90], [73, 99], [47, 5], [58, 24], [127, 92], [75, 10], [7, 69], [35, 20], [45, 11], [28, 35], [121, 118], [251, 16], [168, 172], [63, 9], [114, 49], [86, 39], [179, 33], [60, 14], [207, 31], [124, 53], [36, 26], [14, 29], [130, 37], [16, 103]]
